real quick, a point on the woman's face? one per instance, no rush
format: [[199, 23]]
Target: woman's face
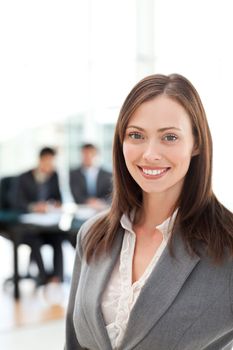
[[158, 145]]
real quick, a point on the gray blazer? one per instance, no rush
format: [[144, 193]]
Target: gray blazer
[[186, 304]]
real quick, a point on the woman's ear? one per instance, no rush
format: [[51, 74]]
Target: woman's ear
[[195, 150]]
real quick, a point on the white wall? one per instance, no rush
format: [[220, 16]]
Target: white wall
[[194, 38], [59, 58], [43, 48]]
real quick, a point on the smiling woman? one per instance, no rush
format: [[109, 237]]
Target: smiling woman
[[157, 268]]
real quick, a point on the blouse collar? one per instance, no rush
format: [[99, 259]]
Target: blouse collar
[[165, 227]]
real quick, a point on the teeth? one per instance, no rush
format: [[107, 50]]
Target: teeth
[[153, 172]]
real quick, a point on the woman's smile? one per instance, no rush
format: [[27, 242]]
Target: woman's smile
[[153, 172]]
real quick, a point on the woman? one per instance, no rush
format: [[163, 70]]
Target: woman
[[155, 271]]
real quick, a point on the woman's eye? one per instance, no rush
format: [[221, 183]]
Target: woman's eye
[[135, 136], [170, 137]]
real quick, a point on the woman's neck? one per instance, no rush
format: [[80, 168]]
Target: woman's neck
[[155, 210]]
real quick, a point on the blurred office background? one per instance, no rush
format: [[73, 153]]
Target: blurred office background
[[67, 66]]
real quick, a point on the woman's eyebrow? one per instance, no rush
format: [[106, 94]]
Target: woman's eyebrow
[[168, 128], [135, 127], [159, 130]]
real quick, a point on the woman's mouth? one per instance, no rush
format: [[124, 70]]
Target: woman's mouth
[[153, 173]]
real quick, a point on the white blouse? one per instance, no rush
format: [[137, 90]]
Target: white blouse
[[120, 294]]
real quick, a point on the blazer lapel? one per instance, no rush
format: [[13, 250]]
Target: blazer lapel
[[159, 292], [96, 280]]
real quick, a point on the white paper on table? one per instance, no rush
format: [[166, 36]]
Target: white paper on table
[[85, 212], [45, 219]]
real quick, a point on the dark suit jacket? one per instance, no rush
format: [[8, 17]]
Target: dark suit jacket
[[78, 185], [26, 190], [186, 303]]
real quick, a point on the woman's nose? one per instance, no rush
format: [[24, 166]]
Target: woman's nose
[[152, 152]]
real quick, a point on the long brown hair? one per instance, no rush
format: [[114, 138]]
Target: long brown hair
[[201, 217]]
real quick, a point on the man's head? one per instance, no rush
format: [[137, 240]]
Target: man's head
[[47, 160], [89, 153]]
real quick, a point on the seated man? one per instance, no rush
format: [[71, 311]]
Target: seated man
[[89, 183], [37, 190]]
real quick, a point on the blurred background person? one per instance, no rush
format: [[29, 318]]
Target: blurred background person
[[91, 184], [37, 191]]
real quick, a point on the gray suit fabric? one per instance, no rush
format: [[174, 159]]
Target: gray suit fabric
[[186, 304]]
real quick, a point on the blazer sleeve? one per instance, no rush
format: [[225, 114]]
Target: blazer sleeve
[[71, 339]]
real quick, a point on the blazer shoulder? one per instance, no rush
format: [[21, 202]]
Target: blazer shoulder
[[105, 172], [26, 177], [75, 171], [88, 224], [28, 173]]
